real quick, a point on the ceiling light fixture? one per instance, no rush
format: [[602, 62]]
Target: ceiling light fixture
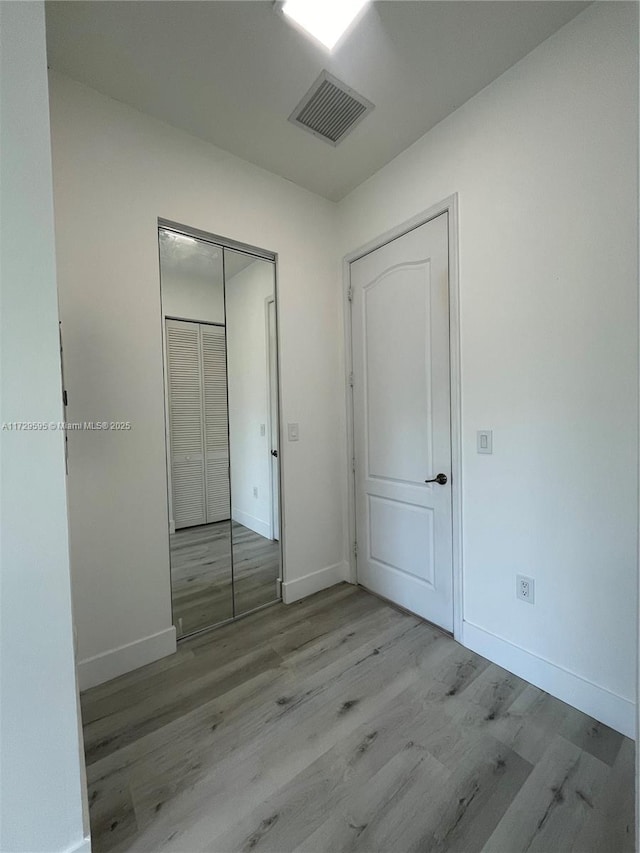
[[326, 20]]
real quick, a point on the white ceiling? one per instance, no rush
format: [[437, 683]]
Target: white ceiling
[[232, 72]]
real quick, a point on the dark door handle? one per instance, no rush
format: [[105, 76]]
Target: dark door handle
[[274, 453], [441, 479]]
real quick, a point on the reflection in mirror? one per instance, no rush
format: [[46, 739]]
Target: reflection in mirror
[[191, 274], [253, 428]]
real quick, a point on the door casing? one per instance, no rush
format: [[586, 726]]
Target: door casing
[[450, 206], [272, 410]]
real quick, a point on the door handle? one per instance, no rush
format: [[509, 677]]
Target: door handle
[[274, 453], [441, 479]]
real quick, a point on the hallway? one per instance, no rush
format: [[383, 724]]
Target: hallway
[[339, 723]]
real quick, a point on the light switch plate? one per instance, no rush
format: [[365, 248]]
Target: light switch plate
[[485, 441], [293, 432]]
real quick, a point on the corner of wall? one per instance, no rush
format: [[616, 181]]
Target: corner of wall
[[83, 847], [595, 701], [103, 667], [307, 585]]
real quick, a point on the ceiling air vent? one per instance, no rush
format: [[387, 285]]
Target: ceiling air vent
[[330, 109]]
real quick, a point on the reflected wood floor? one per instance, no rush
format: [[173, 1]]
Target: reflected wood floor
[[341, 724], [201, 588]]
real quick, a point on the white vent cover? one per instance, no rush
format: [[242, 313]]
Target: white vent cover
[[330, 109]]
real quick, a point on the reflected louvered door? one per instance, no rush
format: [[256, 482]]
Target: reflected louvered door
[[184, 375], [216, 422]]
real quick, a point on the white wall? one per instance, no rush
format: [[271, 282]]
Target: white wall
[[192, 298], [247, 366], [41, 769], [115, 172], [545, 164]]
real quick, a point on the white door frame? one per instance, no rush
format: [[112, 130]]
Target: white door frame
[[450, 206], [272, 404]]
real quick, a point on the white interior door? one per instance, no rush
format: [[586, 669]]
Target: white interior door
[[184, 385], [402, 421], [216, 422]]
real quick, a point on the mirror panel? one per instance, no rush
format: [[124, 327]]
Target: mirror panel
[[253, 428], [194, 340]]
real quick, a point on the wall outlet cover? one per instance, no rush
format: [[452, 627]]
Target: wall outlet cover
[[525, 589]]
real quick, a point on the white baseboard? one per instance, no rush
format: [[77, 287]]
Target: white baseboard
[[298, 588], [262, 528], [591, 699], [83, 847], [108, 665]]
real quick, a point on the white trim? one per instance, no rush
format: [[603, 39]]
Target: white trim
[[315, 581], [450, 206], [279, 410], [274, 520], [598, 702], [262, 528], [267, 343], [167, 430], [83, 847], [348, 365], [108, 665]]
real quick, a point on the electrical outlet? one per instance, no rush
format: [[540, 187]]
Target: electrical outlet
[[525, 588], [255, 491]]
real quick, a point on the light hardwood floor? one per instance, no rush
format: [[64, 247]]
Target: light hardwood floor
[[341, 724], [201, 588]]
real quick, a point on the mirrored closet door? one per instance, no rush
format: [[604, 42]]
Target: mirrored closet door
[[221, 420]]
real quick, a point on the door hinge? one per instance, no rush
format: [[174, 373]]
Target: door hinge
[[350, 294], [351, 379], [355, 549], [353, 464]]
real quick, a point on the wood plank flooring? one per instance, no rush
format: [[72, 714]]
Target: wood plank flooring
[[342, 724], [201, 585]]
